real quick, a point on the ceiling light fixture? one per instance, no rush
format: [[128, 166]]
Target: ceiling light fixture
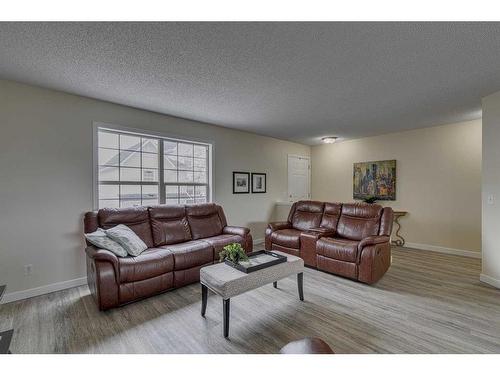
[[329, 139]]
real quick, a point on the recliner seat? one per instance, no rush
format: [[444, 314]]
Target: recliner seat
[[348, 239], [285, 236]]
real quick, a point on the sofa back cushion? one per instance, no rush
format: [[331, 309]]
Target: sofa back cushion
[[136, 218], [331, 215], [359, 220], [307, 215], [169, 224], [204, 220]]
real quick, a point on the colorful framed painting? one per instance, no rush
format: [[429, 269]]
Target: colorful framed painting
[[375, 179]]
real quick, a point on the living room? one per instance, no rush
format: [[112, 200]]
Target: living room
[[249, 188]]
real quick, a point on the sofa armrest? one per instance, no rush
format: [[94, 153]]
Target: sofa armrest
[[368, 242], [243, 233], [321, 232], [372, 240], [374, 261], [277, 225], [103, 255], [239, 231]]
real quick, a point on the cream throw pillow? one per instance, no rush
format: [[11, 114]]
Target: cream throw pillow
[[127, 239], [101, 240]]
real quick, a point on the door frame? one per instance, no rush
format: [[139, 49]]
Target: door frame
[[308, 174]]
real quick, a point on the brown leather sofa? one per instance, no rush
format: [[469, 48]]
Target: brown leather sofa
[[180, 240], [346, 239]]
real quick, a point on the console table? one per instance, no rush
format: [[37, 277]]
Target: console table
[[6, 336], [399, 240]]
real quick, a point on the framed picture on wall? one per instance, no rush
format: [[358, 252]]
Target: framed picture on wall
[[241, 182], [258, 182], [375, 179]]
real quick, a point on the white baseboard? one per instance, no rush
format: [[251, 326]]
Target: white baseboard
[[489, 280], [258, 241], [445, 250], [28, 293]]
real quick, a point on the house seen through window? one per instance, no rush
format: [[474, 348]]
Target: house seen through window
[[135, 170]]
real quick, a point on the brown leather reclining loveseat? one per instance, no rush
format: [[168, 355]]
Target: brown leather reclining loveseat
[[180, 240], [347, 239]]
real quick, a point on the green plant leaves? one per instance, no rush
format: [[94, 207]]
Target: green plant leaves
[[233, 252]]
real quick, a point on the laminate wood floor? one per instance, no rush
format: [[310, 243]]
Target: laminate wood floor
[[426, 303]]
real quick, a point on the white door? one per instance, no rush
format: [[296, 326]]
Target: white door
[[299, 169]]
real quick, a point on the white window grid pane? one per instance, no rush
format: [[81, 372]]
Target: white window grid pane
[[150, 145], [110, 203], [186, 165], [193, 170], [108, 139], [186, 193], [108, 157], [130, 142]]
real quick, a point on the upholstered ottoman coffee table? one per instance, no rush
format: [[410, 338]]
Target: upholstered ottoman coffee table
[[228, 282]]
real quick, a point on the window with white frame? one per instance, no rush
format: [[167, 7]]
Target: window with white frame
[[137, 169]]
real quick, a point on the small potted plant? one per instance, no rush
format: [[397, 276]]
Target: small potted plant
[[233, 253], [370, 200]]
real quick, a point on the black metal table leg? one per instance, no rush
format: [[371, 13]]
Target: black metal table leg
[[226, 304], [204, 298], [275, 284], [300, 283]]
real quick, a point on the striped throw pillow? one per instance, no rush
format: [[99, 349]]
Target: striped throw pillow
[[127, 239], [102, 241]]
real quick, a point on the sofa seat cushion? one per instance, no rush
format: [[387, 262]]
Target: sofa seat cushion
[[338, 248], [151, 263], [285, 249], [191, 254], [287, 238], [218, 242]]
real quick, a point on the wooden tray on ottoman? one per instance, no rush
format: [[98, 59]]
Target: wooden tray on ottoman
[[258, 260]]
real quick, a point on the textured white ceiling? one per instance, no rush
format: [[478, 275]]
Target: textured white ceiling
[[295, 81]]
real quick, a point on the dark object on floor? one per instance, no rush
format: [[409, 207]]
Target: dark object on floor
[[180, 240], [6, 336], [309, 345], [5, 339]]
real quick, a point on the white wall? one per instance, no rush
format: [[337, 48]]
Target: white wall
[[46, 177], [491, 188], [438, 181]]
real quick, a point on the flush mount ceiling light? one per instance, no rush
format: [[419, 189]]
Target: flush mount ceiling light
[[329, 139]]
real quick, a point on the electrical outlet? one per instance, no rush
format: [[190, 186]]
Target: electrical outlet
[[28, 269], [491, 199]]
